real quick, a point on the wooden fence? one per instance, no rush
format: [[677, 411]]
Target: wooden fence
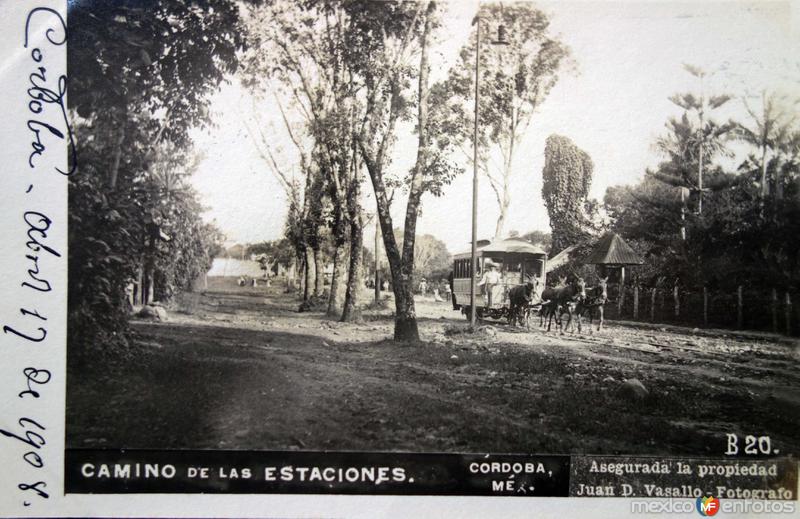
[[744, 308]]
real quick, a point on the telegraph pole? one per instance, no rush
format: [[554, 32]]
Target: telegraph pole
[[474, 250]]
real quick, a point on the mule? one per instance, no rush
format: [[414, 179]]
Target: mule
[[596, 298], [549, 307], [565, 299], [519, 300]]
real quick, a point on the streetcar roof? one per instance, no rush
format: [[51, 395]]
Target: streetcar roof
[[507, 246]]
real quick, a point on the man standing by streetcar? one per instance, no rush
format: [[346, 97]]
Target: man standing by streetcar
[[491, 278]]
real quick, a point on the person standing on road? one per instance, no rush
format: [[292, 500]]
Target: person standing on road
[[452, 293]]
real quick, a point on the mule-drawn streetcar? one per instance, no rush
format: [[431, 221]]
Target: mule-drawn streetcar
[[502, 265]]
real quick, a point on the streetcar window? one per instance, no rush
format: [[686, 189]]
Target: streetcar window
[[513, 272], [534, 268]]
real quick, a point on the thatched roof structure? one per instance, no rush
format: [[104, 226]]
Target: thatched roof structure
[[611, 250]]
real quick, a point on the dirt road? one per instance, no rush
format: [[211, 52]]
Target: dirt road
[[241, 369]]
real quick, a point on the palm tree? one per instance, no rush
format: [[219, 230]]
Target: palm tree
[[691, 141], [771, 132]]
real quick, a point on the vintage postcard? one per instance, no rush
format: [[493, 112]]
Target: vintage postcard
[[383, 258]]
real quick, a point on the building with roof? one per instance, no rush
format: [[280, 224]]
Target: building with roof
[[612, 251]]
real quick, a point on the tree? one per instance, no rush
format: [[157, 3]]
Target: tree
[[693, 141], [431, 257], [567, 178], [770, 130], [646, 215], [154, 67], [348, 68], [140, 78], [276, 252], [306, 48], [386, 78], [543, 239], [306, 199], [515, 80]]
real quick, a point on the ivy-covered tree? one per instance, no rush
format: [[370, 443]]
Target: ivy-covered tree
[[567, 176]]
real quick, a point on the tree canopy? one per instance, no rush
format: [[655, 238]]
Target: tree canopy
[[515, 79], [140, 79]]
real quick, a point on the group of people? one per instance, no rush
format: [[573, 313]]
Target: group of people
[[441, 289], [370, 283], [251, 281]]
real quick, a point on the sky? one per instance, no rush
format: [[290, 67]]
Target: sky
[[628, 59]]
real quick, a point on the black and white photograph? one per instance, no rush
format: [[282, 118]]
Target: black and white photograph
[[454, 227]]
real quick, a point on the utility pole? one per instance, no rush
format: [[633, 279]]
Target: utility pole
[[474, 249], [501, 40]]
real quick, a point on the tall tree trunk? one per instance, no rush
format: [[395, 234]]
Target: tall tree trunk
[[506, 199], [405, 324], [319, 273], [501, 219], [309, 276], [683, 213], [150, 264], [401, 266], [340, 229], [296, 273], [336, 296], [405, 321], [700, 161], [114, 173], [301, 275], [764, 184], [778, 184], [355, 277]]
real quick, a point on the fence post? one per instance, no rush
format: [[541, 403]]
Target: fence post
[[705, 305], [635, 301], [739, 319], [788, 311], [774, 305], [653, 304], [676, 295]]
